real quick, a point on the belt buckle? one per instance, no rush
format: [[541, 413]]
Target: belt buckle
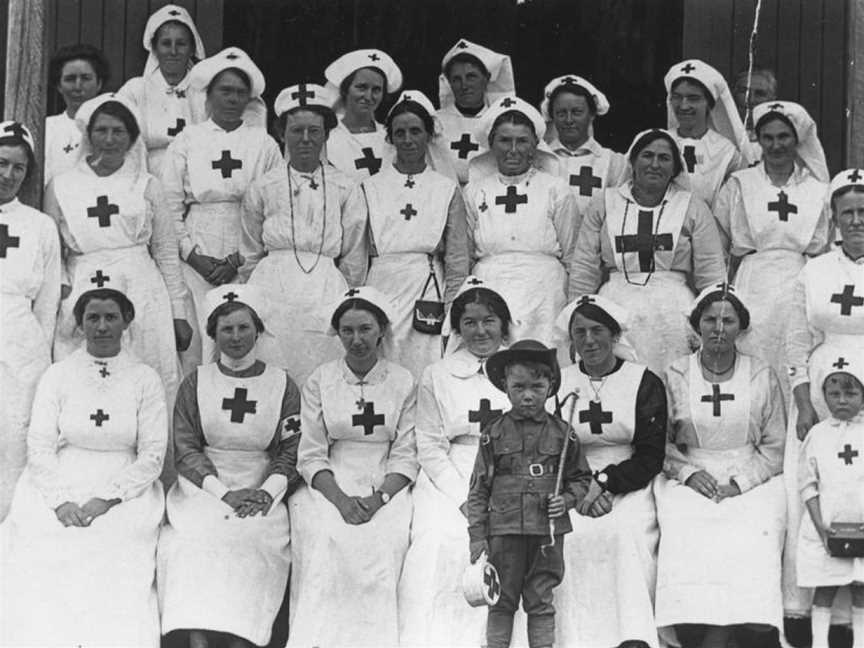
[[535, 470]]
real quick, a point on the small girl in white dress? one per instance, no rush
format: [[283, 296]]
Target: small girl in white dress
[[831, 478]]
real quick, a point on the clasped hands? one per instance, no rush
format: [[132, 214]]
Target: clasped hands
[[706, 485], [215, 271], [358, 510], [248, 502], [70, 514]]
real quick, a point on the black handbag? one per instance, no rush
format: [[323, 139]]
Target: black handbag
[[847, 541], [429, 315]]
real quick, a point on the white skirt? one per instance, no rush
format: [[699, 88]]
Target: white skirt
[[763, 281], [719, 563], [658, 328], [533, 285], [217, 571], [24, 357], [401, 277], [88, 586], [344, 577], [816, 567], [607, 595], [297, 338]]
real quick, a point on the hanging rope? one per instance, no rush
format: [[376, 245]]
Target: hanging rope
[[750, 59]]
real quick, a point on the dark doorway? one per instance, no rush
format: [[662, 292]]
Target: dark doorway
[[623, 46]]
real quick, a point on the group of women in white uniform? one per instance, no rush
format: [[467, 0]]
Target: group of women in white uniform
[[332, 307]]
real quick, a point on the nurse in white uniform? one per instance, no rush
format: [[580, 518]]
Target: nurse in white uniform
[[206, 172], [30, 292], [472, 78], [358, 145], [357, 455]]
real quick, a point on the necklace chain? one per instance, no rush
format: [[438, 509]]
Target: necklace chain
[[323, 226]]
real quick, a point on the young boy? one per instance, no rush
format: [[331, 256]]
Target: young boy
[[511, 499], [831, 481]]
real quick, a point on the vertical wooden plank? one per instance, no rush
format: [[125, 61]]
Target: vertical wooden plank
[[26, 60], [833, 83], [135, 55], [114, 41], [209, 16], [68, 22], [767, 37], [786, 30], [91, 22], [855, 85], [708, 28], [742, 22], [4, 12], [810, 57]]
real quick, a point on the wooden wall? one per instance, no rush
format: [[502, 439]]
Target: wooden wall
[[117, 26], [806, 43]]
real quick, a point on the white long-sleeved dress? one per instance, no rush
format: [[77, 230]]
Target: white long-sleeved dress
[[344, 577], [99, 429], [29, 294]]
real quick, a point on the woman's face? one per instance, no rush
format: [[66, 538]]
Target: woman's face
[[13, 171], [78, 83], [514, 146], [173, 49], [468, 84], [236, 333], [719, 326], [690, 105], [572, 118], [654, 166], [592, 340], [360, 334], [481, 329], [779, 143], [305, 136], [409, 137], [364, 94], [849, 216], [103, 326], [228, 97], [109, 138]]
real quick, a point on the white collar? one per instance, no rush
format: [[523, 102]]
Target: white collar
[[238, 364]]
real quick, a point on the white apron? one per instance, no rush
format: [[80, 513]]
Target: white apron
[[659, 331], [217, 571], [836, 447], [102, 215], [358, 155], [518, 250], [607, 595], [841, 326], [344, 577], [586, 174], [407, 217], [719, 563], [463, 136], [708, 160], [765, 276], [26, 349]]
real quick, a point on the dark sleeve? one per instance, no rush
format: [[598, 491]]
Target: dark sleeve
[[649, 439], [577, 473], [189, 442], [479, 490], [283, 449]]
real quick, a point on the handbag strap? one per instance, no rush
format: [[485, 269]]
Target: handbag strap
[[431, 278]]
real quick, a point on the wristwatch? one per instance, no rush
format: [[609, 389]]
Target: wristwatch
[[385, 497], [602, 478]]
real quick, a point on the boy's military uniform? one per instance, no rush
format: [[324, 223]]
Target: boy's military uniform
[[514, 474]]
